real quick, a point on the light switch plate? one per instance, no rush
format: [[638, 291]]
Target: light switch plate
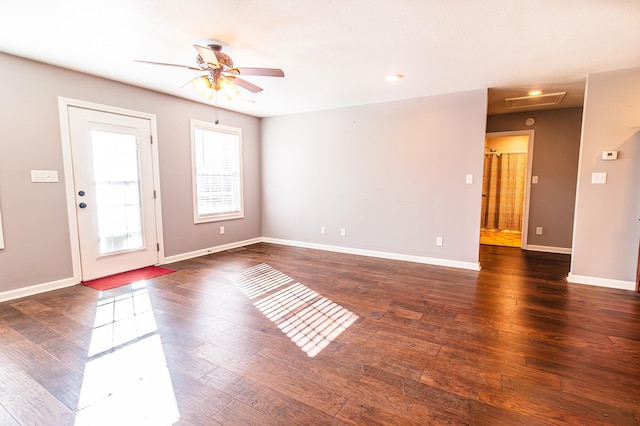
[[599, 178], [44, 176], [469, 179], [534, 179]]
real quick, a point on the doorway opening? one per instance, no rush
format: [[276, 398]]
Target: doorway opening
[[505, 188]]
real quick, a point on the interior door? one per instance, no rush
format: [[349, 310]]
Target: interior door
[[113, 179]]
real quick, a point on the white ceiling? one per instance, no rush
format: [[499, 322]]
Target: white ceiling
[[335, 52]]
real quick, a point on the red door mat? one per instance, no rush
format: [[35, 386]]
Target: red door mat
[[124, 278]]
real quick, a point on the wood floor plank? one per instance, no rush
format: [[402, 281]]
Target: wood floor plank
[[28, 402], [59, 380], [361, 413], [561, 406], [424, 346], [6, 419], [30, 329], [512, 344], [69, 352], [273, 406], [184, 362], [65, 326], [485, 414], [8, 335], [288, 381], [197, 402], [405, 398], [239, 413], [30, 306]]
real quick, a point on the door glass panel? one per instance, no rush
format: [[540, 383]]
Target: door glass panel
[[117, 180]]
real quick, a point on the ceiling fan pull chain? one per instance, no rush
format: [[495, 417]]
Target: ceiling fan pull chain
[[215, 109]]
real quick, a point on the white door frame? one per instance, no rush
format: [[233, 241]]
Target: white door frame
[[70, 189], [527, 187]]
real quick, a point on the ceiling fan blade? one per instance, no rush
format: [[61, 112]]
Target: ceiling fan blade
[[246, 85], [267, 72], [166, 64], [208, 56]]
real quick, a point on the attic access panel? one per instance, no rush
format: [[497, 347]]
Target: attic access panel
[[535, 101]]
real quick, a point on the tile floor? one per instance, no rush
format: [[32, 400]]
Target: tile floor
[[500, 237]]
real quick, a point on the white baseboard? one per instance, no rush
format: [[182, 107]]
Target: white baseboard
[[67, 282], [380, 254], [36, 289], [601, 282], [577, 279], [216, 249], [548, 249]]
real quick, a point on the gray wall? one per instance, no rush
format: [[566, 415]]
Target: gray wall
[[555, 162], [607, 227], [36, 234], [392, 174]]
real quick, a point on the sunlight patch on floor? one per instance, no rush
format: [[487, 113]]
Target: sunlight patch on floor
[[259, 280], [311, 321], [121, 319], [127, 380]]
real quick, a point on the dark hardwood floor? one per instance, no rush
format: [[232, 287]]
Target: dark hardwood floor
[[287, 336]]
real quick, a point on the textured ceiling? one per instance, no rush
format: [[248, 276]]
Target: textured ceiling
[[335, 52]]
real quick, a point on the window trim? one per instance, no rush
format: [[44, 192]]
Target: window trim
[[217, 128]]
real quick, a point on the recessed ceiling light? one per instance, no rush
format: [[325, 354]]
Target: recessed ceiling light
[[393, 77], [535, 92]]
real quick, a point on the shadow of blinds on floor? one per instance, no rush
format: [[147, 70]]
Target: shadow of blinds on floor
[[311, 321]]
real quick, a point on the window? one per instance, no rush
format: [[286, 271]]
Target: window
[[217, 172]]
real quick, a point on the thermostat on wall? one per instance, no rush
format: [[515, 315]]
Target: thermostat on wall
[[609, 155]]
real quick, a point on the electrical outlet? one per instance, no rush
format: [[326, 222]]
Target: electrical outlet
[[323, 230], [539, 230], [343, 232], [438, 241], [221, 230]]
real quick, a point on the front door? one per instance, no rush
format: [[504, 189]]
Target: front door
[[113, 181]]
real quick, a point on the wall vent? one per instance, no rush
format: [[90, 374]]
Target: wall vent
[[535, 101]]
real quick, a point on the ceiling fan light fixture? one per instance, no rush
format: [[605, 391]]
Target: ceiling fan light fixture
[[201, 84], [221, 73], [208, 93], [228, 86]]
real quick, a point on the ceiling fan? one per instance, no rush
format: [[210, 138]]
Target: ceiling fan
[[221, 73]]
